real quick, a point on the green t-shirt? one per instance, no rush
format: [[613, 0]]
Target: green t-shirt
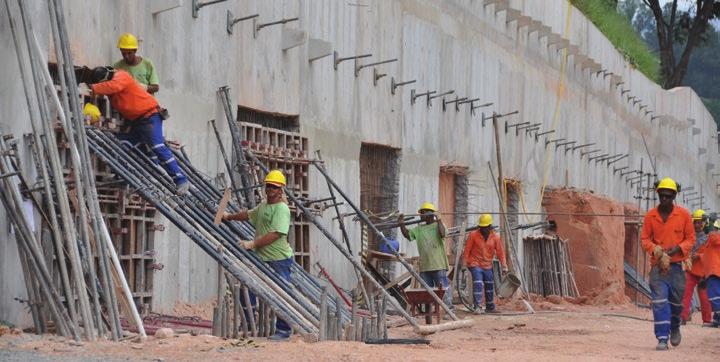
[[267, 218], [143, 72], [430, 246]]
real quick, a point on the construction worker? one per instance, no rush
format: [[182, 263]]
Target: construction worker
[[668, 236], [480, 248], [141, 68], [431, 247], [271, 220], [710, 257], [694, 272], [143, 113]]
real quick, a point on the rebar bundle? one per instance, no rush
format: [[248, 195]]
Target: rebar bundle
[[77, 239], [547, 266], [297, 302]]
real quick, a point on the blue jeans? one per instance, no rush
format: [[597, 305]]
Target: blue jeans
[[436, 278], [282, 268], [666, 291], [713, 290], [149, 132], [483, 280]]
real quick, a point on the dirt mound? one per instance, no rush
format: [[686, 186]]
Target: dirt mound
[[204, 310], [596, 241]]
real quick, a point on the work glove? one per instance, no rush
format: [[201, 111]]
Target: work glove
[[247, 244], [658, 252], [227, 216], [702, 284], [664, 263], [401, 218], [688, 264]]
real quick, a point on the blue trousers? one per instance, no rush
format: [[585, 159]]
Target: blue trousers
[[436, 278], [666, 291], [282, 268], [483, 281], [713, 290], [149, 132]]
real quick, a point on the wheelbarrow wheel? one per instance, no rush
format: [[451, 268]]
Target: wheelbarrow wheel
[[464, 287]]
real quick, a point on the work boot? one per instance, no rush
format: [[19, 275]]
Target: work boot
[[662, 345], [492, 311], [183, 188], [279, 337], [479, 310], [709, 325], [675, 337]]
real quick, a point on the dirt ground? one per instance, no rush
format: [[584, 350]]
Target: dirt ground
[[568, 333]]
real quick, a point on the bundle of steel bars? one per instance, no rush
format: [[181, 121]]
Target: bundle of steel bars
[[547, 266], [72, 234], [297, 302]]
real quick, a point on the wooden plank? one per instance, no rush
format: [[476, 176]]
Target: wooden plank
[[222, 206]]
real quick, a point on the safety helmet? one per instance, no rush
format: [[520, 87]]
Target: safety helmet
[[92, 111], [485, 220], [668, 184], [427, 206], [698, 214], [101, 74], [127, 41], [275, 177]]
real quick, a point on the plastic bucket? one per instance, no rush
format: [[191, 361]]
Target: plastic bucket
[[508, 286]]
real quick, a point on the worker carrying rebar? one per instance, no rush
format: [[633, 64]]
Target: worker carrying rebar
[[695, 272], [271, 220], [141, 68], [431, 247], [668, 236], [145, 116], [481, 247], [710, 258]]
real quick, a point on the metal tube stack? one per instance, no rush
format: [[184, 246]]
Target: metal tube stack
[[547, 266]]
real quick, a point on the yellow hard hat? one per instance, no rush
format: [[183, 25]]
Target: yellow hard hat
[[698, 214], [275, 177], [127, 41], [485, 220], [92, 111], [427, 206], [667, 183]]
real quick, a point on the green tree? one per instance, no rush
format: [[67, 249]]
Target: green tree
[[685, 28]]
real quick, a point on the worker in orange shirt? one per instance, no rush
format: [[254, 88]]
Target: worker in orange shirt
[[481, 246], [668, 236], [695, 272], [144, 114], [711, 262]]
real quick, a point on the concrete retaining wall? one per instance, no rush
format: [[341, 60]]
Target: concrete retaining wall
[[461, 45]]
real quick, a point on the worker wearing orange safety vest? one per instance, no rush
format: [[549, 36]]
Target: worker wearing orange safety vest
[[668, 236], [711, 262], [481, 246], [695, 272]]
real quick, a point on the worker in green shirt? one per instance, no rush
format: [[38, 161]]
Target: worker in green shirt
[[141, 68], [271, 220], [431, 246]]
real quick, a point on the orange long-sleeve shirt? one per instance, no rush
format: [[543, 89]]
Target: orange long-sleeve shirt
[[676, 231], [479, 252], [126, 95], [710, 255]]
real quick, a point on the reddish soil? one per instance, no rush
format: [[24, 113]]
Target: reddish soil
[[202, 310], [597, 243], [585, 333]]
